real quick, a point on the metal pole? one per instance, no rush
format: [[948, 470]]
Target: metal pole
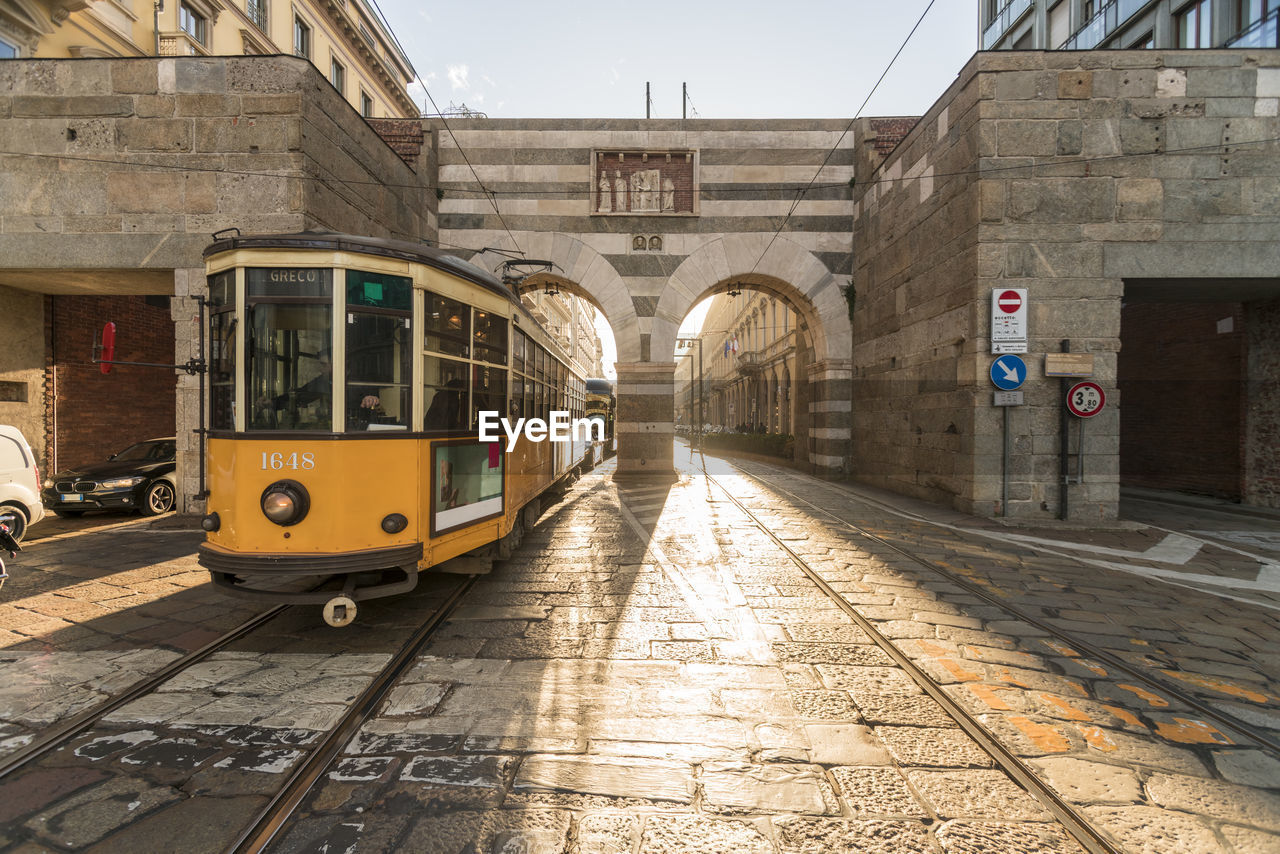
[[1064, 425], [684, 99], [701, 403], [647, 100], [1004, 467]]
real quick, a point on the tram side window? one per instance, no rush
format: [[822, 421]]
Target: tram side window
[[379, 344], [290, 349], [517, 351], [448, 326], [488, 391], [516, 408], [445, 389], [490, 337], [222, 351]]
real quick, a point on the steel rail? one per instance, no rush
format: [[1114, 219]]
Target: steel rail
[[267, 824], [1224, 719], [60, 733], [1075, 825]]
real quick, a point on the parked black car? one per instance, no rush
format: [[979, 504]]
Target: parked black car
[[141, 477]]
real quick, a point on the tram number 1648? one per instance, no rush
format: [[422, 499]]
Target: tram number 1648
[[276, 461]]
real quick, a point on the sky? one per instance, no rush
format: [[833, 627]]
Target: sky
[[813, 59], [746, 59]]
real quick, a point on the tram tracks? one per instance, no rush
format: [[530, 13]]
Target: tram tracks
[[265, 824], [1071, 820], [1224, 719]]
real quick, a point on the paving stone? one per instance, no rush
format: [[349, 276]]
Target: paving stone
[[96, 812], [832, 653], [1148, 830], [917, 710], [1081, 781], [825, 705], [803, 835], [976, 794], [799, 789], [610, 776], [605, 833], [932, 746], [990, 837], [845, 744], [1248, 767], [876, 793], [204, 826], [489, 772], [1244, 840], [1227, 801], [697, 835], [860, 681]]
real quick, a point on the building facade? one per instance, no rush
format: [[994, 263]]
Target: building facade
[[1131, 195], [571, 321], [345, 40], [1132, 24], [749, 364]]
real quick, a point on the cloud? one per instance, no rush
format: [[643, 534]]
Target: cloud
[[488, 81], [458, 76]]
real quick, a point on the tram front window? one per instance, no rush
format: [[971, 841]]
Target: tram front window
[[290, 348]]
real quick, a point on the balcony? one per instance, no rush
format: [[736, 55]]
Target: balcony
[[1263, 33], [1010, 13], [750, 362], [1098, 28]]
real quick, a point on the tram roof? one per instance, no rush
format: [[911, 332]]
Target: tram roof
[[338, 242]]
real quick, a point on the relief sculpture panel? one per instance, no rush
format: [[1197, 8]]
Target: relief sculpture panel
[[644, 182]]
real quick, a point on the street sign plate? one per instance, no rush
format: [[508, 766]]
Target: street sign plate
[[1068, 364], [1008, 320], [1008, 372], [1086, 399], [1007, 398]]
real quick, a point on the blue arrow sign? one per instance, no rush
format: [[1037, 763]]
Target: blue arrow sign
[[1008, 372]]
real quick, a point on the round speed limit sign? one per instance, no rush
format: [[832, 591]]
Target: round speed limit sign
[[1085, 399]]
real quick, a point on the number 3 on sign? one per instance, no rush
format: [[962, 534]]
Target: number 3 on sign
[[1086, 399], [276, 460]]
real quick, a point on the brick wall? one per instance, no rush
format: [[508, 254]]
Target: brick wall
[[1182, 381], [1262, 442], [97, 415]]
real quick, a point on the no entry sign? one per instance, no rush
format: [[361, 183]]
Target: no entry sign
[[1008, 320], [1009, 301], [1086, 399]]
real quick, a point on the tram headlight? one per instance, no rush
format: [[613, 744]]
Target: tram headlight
[[285, 502], [212, 522]]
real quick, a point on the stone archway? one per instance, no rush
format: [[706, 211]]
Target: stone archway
[[777, 266]]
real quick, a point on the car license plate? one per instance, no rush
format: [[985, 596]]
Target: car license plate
[[72, 496]]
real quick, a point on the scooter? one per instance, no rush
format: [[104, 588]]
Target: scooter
[[10, 545]]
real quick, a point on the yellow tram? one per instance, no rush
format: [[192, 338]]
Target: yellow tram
[[601, 404], [347, 375]]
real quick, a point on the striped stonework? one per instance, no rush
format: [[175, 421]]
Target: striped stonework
[[646, 417], [648, 217]]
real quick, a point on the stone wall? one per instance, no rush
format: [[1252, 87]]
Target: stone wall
[[121, 169], [22, 379], [1262, 442], [1087, 178]]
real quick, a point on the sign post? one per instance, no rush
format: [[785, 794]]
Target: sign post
[[1008, 373], [1084, 400]]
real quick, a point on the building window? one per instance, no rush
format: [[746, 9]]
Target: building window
[[1194, 25], [1147, 42], [257, 12], [192, 23], [338, 76], [8, 50], [301, 38], [366, 105]]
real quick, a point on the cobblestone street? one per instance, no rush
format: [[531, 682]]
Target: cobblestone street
[[661, 668]]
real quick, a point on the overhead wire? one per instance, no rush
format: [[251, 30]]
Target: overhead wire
[[800, 195]]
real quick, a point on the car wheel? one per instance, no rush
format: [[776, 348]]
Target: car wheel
[[15, 520], [157, 499], [68, 514]]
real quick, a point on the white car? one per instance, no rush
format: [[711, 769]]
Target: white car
[[20, 504]]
